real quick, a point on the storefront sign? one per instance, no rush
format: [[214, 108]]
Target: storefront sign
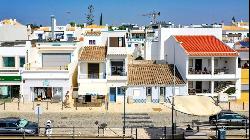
[[45, 83], [10, 78]]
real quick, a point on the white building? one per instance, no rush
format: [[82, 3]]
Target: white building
[[117, 65], [234, 33], [11, 30], [208, 65], [92, 80], [149, 82], [55, 32], [12, 59], [50, 70], [136, 42], [155, 48]]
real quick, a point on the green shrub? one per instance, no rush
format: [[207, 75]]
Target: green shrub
[[230, 91]]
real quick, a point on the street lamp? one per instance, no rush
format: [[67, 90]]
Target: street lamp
[[124, 93], [174, 118]]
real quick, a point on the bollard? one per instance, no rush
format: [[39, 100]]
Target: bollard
[[198, 129], [4, 105], [243, 106], [47, 106], [229, 106], [73, 132]]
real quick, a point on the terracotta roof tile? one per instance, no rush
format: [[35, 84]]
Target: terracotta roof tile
[[92, 53], [204, 45], [152, 74]]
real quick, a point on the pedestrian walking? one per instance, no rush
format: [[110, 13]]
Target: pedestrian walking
[[48, 128]]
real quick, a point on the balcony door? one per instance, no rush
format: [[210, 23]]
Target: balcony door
[[93, 70], [198, 87], [198, 64]]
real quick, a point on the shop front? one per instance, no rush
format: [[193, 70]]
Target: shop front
[[44, 90], [9, 87]]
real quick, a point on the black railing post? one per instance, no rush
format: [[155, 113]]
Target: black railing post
[[229, 105], [135, 133], [246, 127], [73, 132], [98, 131], [243, 105], [165, 132]]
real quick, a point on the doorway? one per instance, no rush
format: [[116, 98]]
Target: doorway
[[93, 70], [149, 94], [162, 94], [198, 64], [198, 87], [112, 94]]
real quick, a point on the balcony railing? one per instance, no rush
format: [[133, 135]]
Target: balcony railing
[[92, 76], [192, 71], [123, 73], [30, 67], [192, 91]]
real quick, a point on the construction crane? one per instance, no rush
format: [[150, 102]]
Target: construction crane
[[153, 15]]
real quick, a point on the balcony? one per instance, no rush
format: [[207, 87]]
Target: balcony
[[92, 76], [56, 45], [117, 75], [117, 51]]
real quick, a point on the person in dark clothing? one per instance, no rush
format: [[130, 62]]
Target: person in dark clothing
[[189, 128]]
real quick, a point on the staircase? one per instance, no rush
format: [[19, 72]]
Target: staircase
[[223, 87], [73, 73]]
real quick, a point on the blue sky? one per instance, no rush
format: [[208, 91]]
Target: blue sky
[[125, 11]]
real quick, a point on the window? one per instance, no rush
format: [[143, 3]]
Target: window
[[190, 62], [148, 91], [129, 45], [91, 42], [2, 125], [120, 91], [12, 125], [190, 84], [117, 68], [21, 61], [9, 61], [162, 91], [216, 61]]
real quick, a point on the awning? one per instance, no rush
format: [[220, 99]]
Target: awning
[[196, 105], [92, 89]]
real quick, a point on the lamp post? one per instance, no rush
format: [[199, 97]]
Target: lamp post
[[124, 88], [174, 118]]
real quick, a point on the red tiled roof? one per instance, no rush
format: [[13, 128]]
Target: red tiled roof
[[204, 45]]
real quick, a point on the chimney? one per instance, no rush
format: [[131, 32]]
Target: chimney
[[52, 26]]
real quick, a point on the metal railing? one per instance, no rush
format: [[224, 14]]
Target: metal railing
[[92, 76]]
